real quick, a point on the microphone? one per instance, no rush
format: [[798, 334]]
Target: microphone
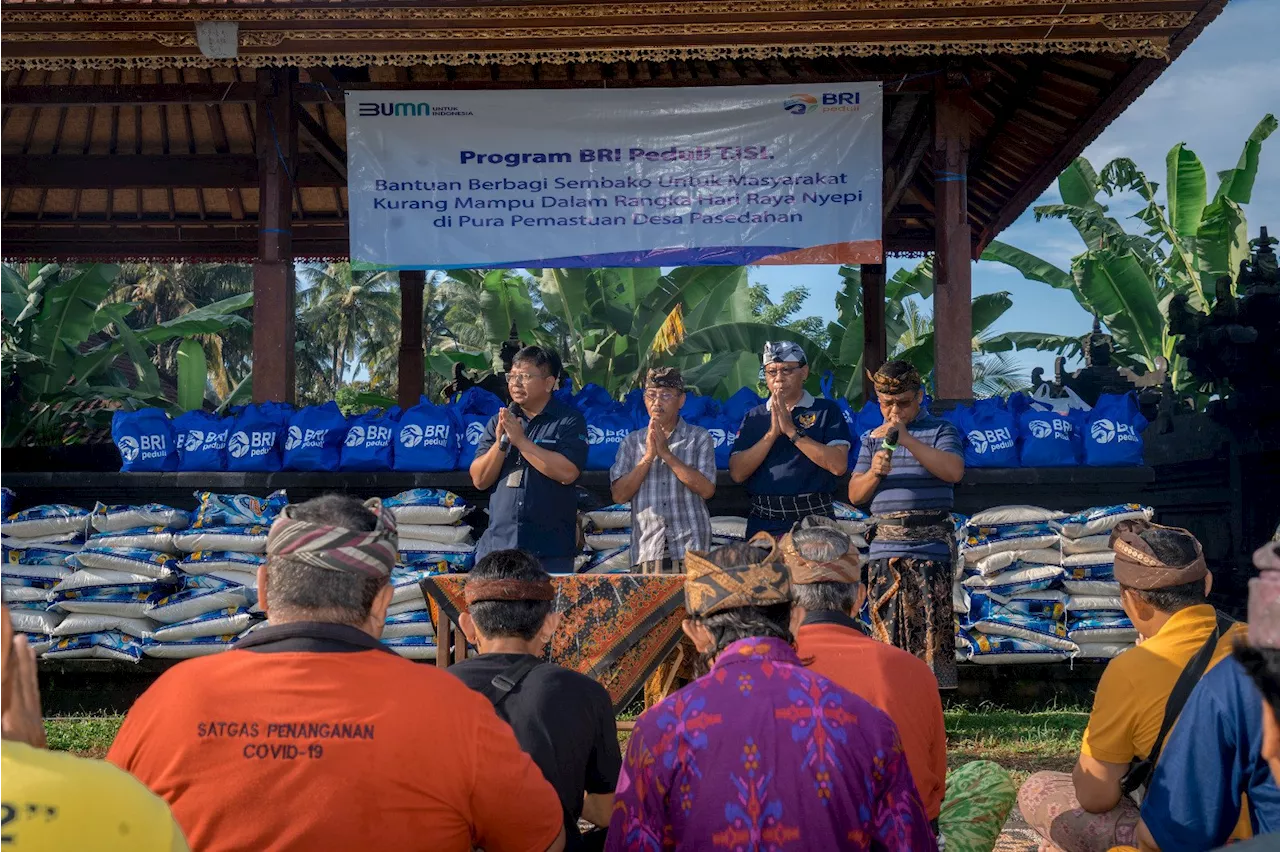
[[890, 442], [504, 443]]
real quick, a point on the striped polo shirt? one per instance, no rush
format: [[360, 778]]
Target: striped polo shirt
[[909, 487]]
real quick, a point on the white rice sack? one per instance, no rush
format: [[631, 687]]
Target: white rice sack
[[51, 520], [35, 620], [38, 642], [45, 554], [198, 596], [1014, 515], [247, 539], [1102, 519], [1114, 635], [205, 561], [427, 506], [117, 518], [615, 517], [846, 513], [89, 579], [87, 622], [1006, 559], [1089, 566], [142, 538], [1009, 583], [38, 576], [218, 623], [437, 561], [987, 649], [977, 545], [1100, 650], [413, 623], [609, 540], [999, 628], [407, 606], [415, 544], [729, 526], [1082, 603], [96, 646], [234, 510], [189, 649], [27, 595], [616, 561], [234, 578], [128, 560], [1089, 544], [1107, 588], [123, 601], [436, 533], [68, 542], [405, 584], [413, 647]]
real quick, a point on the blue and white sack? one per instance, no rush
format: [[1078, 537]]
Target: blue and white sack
[[128, 560], [197, 596], [990, 433], [615, 561], [406, 584], [1037, 616], [96, 646], [1089, 566], [190, 648], [77, 623], [251, 538], [229, 510], [207, 561], [313, 440], [145, 439], [38, 570], [257, 438], [220, 622], [427, 438], [438, 558], [1035, 578], [107, 592], [987, 649], [413, 623], [6, 501], [474, 409], [1113, 432], [1102, 519], [107, 519], [54, 519], [39, 621], [413, 647], [1049, 439], [427, 506], [370, 441], [614, 517], [143, 538], [202, 440]]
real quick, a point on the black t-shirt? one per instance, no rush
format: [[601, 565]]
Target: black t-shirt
[[564, 721]]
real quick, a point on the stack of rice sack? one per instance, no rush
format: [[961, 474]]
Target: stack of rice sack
[[1096, 623], [854, 523], [1014, 608], [128, 563], [728, 529], [215, 600], [433, 540], [36, 544], [606, 541]]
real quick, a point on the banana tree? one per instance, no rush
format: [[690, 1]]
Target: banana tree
[[1127, 280]]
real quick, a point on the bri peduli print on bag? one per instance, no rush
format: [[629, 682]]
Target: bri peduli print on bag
[[427, 438], [370, 441], [314, 437], [145, 440], [1113, 433], [256, 440]]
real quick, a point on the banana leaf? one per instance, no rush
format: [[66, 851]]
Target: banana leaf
[[1186, 190], [1031, 267], [1117, 287], [1223, 242], [193, 375], [749, 338], [504, 298], [147, 376], [211, 319], [64, 322], [1237, 184]]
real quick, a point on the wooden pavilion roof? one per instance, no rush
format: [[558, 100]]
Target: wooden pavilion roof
[[121, 140]]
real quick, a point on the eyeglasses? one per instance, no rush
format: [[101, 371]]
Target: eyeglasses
[[663, 396], [523, 378], [897, 403], [780, 372]]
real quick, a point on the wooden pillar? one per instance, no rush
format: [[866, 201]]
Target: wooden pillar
[[875, 344], [276, 127], [411, 378], [953, 286]]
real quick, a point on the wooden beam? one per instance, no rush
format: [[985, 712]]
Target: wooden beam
[[411, 377], [145, 93], [322, 143], [917, 136], [276, 127], [952, 269], [84, 239], [126, 171], [875, 343]]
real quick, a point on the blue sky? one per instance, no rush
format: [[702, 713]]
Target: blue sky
[[1210, 98]]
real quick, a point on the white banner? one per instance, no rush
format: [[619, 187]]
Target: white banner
[[615, 177]]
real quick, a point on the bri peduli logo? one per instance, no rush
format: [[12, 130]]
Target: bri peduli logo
[[1058, 428], [475, 431], [596, 435], [355, 436], [800, 104], [1105, 431], [413, 435], [803, 104], [143, 446], [240, 444], [989, 440], [129, 448], [194, 439]]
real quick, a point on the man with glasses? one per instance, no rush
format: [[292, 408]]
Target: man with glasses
[[907, 469], [530, 457], [792, 450], [668, 473]]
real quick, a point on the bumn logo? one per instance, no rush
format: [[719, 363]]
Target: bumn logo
[[355, 436], [128, 448], [238, 445], [295, 438], [475, 431], [410, 435], [366, 109]]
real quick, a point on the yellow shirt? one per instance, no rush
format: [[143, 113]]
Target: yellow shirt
[[54, 801], [1129, 705]]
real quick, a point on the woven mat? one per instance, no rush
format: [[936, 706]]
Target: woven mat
[[615, 628]]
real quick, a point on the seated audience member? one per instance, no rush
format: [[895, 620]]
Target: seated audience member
[[562, 719], [761, 753], [826, 584], [312, 735], [1164, 584], [1225, 749], [58, 801]]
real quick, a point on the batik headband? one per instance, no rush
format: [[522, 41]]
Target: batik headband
[[710, 588], [665, 377], [1264, 598], [846, 568], [502, 589], [783, 351], [893, 385], [1138, 567], [334, 548]]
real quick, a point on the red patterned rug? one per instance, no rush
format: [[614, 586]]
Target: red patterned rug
[[615, 628]]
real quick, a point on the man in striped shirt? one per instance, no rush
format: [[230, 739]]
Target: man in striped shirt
[[910, 485]]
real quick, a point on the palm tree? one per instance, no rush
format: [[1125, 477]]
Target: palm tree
[[994, 374], [347, 314]]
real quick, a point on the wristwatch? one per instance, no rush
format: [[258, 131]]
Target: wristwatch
[[798, 434]]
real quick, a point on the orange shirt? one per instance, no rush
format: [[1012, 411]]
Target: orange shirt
[[349, 748], [898, 683]]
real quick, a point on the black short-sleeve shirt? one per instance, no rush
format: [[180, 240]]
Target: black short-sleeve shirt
[[786, 470], [538, 514], [564, 721]]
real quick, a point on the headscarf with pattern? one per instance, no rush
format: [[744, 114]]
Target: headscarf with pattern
[[711, 587], [782, 351], [1138, 567], [906, 382], [1264, 598], [843, 568], [334, 548]]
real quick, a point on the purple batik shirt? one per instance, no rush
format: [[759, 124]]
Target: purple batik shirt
[[763, 754]]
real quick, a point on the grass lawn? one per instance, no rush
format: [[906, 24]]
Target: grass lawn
[[1021, 742]]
